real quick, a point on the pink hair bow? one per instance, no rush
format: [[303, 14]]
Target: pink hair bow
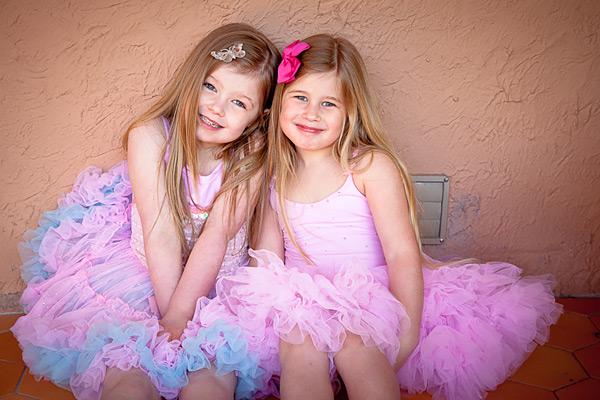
[[290, 64]]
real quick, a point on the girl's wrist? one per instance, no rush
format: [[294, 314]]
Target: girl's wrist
[[177, 309]]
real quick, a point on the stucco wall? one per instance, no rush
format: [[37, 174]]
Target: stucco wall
[[503, 97]]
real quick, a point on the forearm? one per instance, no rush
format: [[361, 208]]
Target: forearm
[[199, 275], [406, 284], [163, 256]]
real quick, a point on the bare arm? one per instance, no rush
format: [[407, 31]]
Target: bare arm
[[270, 237], [161, 243], [385, 194], [205, 261]]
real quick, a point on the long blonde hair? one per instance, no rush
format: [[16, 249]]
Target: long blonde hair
[[363, 131], [244, 157]]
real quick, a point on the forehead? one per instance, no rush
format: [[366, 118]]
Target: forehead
[[230, 78], [319, 82]]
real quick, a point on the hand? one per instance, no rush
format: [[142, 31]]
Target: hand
[[408, 343], [174, 325]]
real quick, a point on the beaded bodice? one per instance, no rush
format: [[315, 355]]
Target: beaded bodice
[[200, 197], [236, 254]]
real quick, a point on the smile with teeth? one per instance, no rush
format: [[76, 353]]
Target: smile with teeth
[[209, 122]]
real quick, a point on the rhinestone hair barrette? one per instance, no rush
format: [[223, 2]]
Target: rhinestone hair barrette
[[227, 55]]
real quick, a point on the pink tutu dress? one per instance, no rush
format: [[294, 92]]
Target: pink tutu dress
[[480, 321], [89, 302]]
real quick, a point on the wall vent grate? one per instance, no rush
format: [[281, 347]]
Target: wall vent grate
[[432, 194]]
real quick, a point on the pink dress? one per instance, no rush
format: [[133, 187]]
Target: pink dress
[[89, 302], [480, 321]]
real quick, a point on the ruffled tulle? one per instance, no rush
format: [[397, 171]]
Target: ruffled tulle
[[226, 347], [480, 322], [90, 303], [272, 302], [89, 300]]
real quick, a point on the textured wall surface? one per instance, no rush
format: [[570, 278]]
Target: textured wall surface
[[501, 96]]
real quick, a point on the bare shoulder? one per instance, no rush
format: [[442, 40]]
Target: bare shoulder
[[145, 146], [375, 168], [150, 134]]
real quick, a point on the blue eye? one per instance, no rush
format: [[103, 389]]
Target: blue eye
[[301, 98], [239, 103], [209, 86], [327, 104]]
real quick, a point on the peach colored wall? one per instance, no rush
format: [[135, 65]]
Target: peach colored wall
[[500, 96]]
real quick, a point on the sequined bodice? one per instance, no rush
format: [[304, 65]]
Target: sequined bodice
[[236, 254], [200, 198]]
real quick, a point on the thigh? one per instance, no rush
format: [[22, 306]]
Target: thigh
[[301, 353], [304, 371]]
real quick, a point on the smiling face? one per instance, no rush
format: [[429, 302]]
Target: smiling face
[[312, 113], [229, 102]]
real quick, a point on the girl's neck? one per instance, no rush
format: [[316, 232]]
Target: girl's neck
[[314, 159], [317, 176], [207, 158]]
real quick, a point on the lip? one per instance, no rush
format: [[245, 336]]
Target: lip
[[309, 129], [209, 123]]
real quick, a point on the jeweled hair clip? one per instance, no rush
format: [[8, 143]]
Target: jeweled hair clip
[[227, 55]]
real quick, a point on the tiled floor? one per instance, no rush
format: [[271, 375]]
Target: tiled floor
[[566, 368]]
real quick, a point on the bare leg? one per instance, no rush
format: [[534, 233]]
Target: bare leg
[[128, 385], [366, 372], [204, 384], [304, 372]]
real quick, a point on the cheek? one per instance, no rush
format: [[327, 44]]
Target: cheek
[[339, 122], [285, 117], [288, 111]]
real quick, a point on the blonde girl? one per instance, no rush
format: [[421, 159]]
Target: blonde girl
[[340, 286], [114, 274]]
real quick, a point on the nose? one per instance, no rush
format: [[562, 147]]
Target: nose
[[311, 112], [216, 106]]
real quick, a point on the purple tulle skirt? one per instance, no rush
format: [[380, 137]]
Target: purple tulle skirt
[[479, 323], [89, 302]]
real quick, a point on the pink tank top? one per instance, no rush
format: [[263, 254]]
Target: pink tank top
[[332, 231]]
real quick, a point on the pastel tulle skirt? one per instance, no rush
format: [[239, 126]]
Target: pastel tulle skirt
[[89, 301], [480, 321]]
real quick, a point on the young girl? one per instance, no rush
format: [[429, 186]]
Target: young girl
[[340, 283], [108, 296]]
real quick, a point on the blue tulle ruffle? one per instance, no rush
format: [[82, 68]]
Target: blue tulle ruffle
[[140, 339], [230, 352], [57, 365], [29, 250]]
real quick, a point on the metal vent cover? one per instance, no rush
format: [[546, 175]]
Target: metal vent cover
[[432, 194]]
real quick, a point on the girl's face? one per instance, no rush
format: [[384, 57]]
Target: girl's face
[[312, 112], [229, 102]]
